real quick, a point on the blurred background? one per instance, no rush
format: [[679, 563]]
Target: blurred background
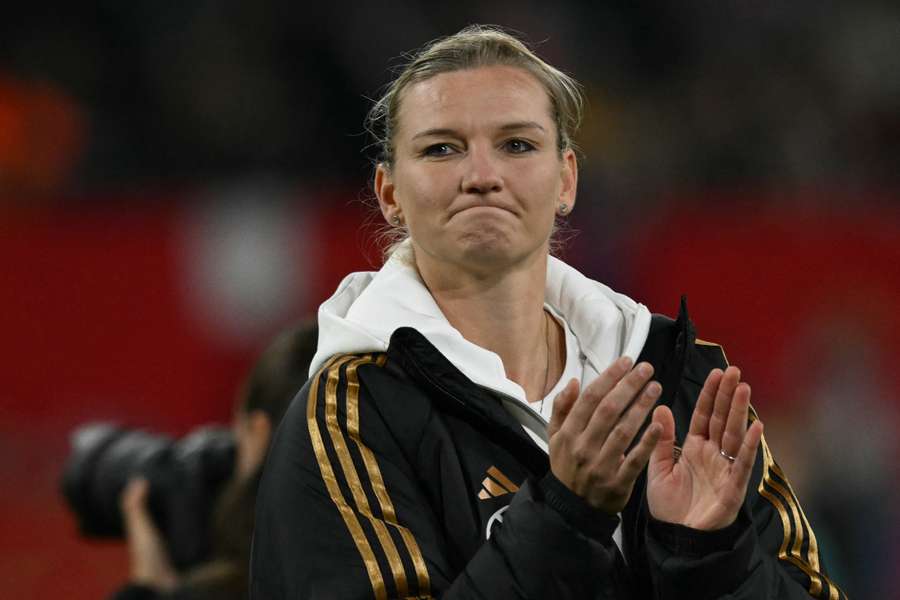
[[178, 181]]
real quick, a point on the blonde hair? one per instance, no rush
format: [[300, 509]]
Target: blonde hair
[[472, 47]]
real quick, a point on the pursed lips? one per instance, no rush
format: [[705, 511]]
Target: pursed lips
[[481, 204]]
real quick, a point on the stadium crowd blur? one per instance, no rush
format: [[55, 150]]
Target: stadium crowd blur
[[179, 181]]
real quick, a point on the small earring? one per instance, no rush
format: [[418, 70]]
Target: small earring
[[395, 220], [563, 209]]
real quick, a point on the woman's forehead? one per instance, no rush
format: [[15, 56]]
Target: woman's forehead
[[494, 95]]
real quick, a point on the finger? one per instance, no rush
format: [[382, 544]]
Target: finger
[[704, 407], [612, 407], [562, 405], [135, 514], [134, 495], [637, 459], [724, 395], [580, 414], [614, 444], [736, 426], [746, 456], [663, 458]]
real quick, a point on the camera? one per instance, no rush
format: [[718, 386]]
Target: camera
[[185, 476]]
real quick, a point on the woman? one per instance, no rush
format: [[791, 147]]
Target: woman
[[482, 420], [277, 375]]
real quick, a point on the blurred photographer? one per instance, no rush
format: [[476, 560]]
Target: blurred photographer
[[277, 376]]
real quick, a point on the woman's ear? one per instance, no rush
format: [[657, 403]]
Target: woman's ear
[[569, 180], [384, 191]]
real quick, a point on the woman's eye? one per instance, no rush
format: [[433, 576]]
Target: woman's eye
[[517, 146], [438, 150]]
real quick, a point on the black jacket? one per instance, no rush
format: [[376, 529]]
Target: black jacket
[[394, 476]]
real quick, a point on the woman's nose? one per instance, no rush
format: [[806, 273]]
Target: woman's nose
[[481, 174]]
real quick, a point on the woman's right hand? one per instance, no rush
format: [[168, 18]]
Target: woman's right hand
[[591, 432]]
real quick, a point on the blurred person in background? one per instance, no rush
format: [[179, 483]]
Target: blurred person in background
[[477, 422], [280, 371]]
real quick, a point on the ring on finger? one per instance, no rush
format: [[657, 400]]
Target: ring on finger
[[729, 457]]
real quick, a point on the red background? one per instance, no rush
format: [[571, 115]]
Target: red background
[[94, 327]]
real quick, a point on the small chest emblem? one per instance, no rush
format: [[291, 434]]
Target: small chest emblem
[[495, 519], [496, 484]]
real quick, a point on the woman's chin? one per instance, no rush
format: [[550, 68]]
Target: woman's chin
[[497, 253], [486, 244]]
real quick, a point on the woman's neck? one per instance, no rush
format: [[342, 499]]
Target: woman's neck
[[504, 313]]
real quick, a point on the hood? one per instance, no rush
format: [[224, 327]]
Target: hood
[[368, 307]]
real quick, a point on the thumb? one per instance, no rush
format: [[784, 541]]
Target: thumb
[[562, 405], [662, 460], [133, 498]]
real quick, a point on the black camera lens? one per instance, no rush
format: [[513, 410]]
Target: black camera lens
[[184, 477]]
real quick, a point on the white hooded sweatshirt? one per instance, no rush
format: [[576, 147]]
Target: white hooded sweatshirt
[[368, 307]]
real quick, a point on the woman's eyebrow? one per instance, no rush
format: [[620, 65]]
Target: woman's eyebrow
[[506, 127], [439, 131], [519, 125]]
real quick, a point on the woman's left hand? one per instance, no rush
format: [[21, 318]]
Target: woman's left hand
[[150, 563], [705, 488]]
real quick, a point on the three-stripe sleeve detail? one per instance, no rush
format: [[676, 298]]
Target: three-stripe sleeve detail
[[374, 473], [346, 388], [776, 489], [328, 476]]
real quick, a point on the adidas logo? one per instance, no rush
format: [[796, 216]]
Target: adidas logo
[[496, 484]]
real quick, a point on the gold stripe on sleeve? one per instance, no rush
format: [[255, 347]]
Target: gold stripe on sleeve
[[810, 564], [776, 502], [334, 490], [813, 551], [788, 498], [374, 473], [359, 495]]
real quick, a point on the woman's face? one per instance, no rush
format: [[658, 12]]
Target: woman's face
[[477, 175]]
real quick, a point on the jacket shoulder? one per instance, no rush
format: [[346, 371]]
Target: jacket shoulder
[[330, 385], [673, 347], [711, 352], [341, 362]]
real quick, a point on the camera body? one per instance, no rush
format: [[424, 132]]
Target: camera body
[[185, 477]]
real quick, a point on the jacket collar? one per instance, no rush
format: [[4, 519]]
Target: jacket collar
[[368, 308], [670, 349], [457, 394]]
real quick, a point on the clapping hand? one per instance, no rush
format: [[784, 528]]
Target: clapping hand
[[591, 432], [705, 487]]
